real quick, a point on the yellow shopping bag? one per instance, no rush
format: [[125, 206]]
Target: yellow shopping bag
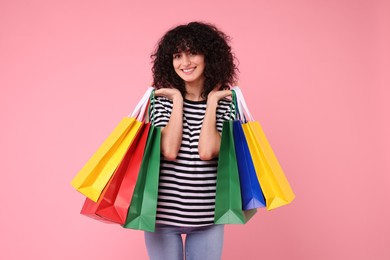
[[273, 182], [93, 177], [276, 189]]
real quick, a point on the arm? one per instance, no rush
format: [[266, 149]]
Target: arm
[[171, 134], [210, 138]]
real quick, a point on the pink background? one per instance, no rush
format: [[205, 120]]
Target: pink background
[[315, 73]]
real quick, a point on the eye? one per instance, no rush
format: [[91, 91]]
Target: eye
[[176, 56]]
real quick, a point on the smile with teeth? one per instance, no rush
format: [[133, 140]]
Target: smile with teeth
[[189, 70]]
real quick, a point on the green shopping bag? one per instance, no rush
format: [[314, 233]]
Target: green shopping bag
[[228, 205], [142, 211]]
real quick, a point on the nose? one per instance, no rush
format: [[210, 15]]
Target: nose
[[186, 60]]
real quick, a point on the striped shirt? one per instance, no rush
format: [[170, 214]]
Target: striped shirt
[[187, 185]]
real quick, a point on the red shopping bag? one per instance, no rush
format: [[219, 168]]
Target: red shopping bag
[[89, 207], [115, 200]]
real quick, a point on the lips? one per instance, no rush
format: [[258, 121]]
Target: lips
[[188, 70]]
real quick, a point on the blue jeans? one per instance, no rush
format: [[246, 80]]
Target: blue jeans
[[201, 243]]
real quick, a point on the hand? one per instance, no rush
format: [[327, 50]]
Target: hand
[[170, 93], [216, 94]]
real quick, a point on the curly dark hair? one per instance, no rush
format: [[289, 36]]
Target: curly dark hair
[[196, 37]]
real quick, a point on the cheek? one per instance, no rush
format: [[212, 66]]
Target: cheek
[[176, 67], [201, 63], [175, 63]]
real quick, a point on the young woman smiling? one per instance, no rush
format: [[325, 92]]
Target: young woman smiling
[[193, 69]]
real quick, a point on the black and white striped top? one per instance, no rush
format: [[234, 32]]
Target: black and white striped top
[[187, 185]]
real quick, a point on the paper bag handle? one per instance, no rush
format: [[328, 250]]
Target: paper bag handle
[[242, 106], [140, 108]]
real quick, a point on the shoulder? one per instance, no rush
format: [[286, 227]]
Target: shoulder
[[162, 103], [225, 109], [162, 100], [225, 104]]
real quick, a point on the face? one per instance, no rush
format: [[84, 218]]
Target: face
[[189, 66]]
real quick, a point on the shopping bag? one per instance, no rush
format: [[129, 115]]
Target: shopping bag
[[273, 182], [251, 193], [143, 207], [115, 199], [228, 205], [96, 173], [89, 208]]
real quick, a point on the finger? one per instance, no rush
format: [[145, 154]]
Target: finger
[[227, 93], [159, 92], [224, 93]]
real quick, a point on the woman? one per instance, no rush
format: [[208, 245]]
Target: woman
[[193, 69]]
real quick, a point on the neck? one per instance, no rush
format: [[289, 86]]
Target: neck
[[194, 90]]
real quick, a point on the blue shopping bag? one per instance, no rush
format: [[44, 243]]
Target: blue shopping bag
[[251, 193]]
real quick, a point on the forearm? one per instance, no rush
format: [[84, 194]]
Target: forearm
[[171, 134], [209, 139]]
